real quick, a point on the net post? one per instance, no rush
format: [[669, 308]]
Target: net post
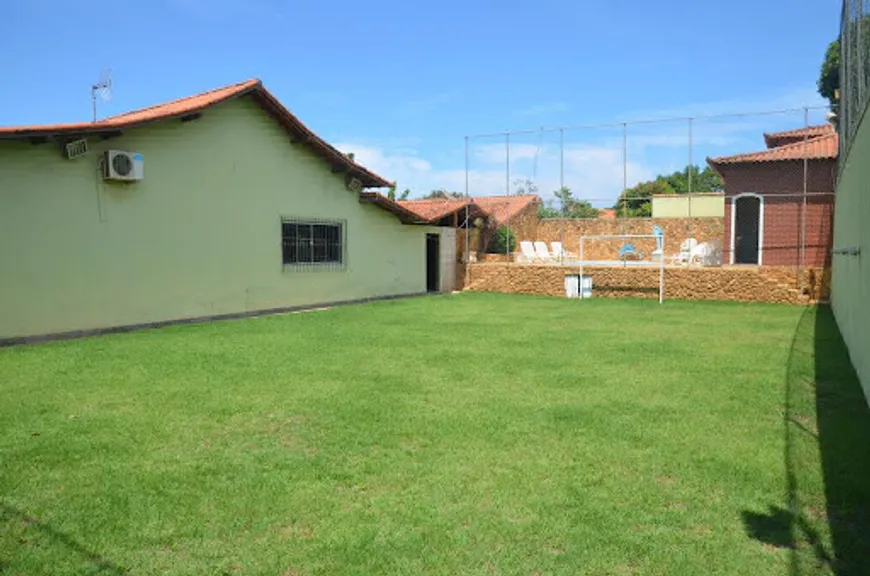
[[803, 248], [580, 279], [467, 255], [662, 272]]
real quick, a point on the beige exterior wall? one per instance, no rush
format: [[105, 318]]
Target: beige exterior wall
[[689, 206], [850, 289], [199, 236]]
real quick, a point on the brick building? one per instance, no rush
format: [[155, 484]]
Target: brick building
[[764, 199]]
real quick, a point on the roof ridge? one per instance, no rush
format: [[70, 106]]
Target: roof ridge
[[462, 199], [826, 126], [776, 151], [250, 83], [786, 147], [508, 196]]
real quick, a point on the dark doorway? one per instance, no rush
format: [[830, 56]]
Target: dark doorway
[[433, 255], [747, 223]]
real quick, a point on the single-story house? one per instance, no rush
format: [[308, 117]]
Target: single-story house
[[214, 205], [765, 194]]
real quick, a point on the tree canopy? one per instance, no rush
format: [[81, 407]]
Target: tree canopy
[[442, 193], [635, 201], [403, 196], [829, 77], [523, 186], [567, 207]]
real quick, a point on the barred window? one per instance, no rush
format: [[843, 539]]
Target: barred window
[[312, 242]]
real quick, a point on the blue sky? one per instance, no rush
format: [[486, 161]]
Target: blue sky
[[401, 83]]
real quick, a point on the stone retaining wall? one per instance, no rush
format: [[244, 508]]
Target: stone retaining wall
[[568, 232], [743, 284]]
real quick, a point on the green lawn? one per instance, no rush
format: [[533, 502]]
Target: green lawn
[[469, 434]]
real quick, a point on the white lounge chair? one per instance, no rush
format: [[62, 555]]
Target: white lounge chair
[[559, 252], [527, 250], [541, 252]]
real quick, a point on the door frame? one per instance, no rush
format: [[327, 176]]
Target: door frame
[[436, 264], [760, 223]]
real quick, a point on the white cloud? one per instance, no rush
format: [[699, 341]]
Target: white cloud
[[592, 159], [498, 153], [591, 172]]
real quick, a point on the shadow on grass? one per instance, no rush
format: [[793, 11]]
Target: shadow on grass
[[826, 519], [29, 531]]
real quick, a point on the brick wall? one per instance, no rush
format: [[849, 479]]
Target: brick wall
[[568, 231], [781, 185], [757, 284]]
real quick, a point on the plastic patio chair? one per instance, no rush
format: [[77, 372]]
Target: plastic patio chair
[[687, 247], [541, 252], [630, 250]]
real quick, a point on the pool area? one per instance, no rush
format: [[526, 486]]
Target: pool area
[[610, 263]]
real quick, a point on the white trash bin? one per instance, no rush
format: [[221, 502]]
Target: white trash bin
[[586, 286], [575, 288], [572, 285]]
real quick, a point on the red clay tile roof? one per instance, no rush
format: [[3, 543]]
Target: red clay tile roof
[[820, 148], [607, 214], [776, 139], [502, 208], [197, 103], [404, 214], [434, 208]]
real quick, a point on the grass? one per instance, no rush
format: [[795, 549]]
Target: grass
[[470, 434]]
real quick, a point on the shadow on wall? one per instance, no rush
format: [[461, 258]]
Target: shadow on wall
[[42, 543], [825, 521]]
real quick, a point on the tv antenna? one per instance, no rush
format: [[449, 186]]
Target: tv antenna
[[103, 87]]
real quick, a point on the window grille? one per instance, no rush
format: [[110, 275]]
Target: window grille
[[313, 243]]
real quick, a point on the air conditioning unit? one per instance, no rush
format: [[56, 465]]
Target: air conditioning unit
[[123, 166]]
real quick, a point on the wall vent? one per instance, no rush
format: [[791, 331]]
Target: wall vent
[[76, 148]]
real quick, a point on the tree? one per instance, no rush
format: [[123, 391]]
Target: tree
[[403, 196], [503, 241], [583, 209], [441, 193], [570, 207], [829, 78], [547, 210], [524, 186], [706, 180], [635, 202], [565, 198]]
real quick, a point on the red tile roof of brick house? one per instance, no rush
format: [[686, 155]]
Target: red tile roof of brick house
[[819, 148], [435, 208], [607, 214], [503, 208], [384, 202], [775, 139], [195, 104], [499, 208]]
